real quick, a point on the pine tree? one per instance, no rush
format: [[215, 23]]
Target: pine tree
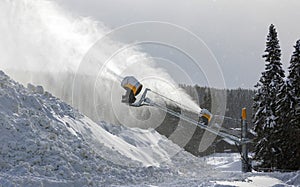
[[289, 115], [293, 83], [265, 104], [293, 87]]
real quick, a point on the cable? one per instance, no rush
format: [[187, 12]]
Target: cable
[[221, 129]]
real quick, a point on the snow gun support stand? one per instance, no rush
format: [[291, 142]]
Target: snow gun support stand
[[246, 162], [243, 141]]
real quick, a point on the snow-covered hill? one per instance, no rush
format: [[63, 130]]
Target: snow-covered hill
[[45, 142]]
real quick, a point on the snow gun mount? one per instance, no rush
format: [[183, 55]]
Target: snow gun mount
[[145, 101], [242, 141]]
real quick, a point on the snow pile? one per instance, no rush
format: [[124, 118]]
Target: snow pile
[[44, 141]]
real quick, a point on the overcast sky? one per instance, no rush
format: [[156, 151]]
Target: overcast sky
[[234, 30]]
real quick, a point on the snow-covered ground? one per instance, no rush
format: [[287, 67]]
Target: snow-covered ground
[[45, 142], [231, 164]]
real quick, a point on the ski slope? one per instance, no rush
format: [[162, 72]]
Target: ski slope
[[45, 142]]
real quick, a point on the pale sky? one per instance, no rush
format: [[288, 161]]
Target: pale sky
[[234, 30]]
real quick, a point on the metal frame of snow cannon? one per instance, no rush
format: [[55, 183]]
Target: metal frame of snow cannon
[[143, 100], [243, 141]]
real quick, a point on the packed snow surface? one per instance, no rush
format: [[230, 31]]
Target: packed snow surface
[[45, 142]]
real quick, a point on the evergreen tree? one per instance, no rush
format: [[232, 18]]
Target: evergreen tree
[[289, 115], [265, 104], [293, 87], [293, 84]]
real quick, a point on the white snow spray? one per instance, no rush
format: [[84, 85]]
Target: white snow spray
[[43, 44]]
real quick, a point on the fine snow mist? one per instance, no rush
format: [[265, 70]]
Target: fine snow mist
[[71, 57]]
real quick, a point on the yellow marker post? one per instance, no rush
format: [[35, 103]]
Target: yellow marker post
[[245, 160], [244, 114]]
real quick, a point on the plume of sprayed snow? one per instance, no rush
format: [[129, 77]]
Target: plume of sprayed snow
[[43, 44], [40, 36]]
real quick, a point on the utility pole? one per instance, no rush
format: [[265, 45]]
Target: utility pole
[[245, 160]]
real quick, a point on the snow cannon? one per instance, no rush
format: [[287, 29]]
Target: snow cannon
[[205, 116], [133, 87]]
